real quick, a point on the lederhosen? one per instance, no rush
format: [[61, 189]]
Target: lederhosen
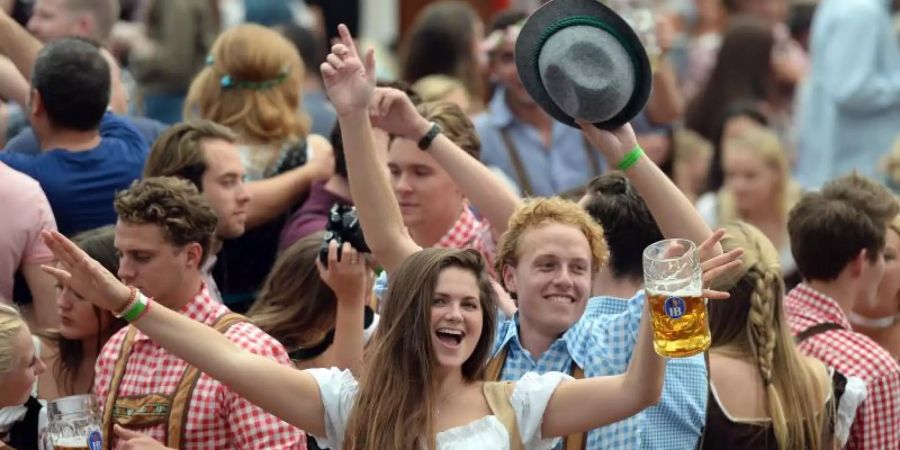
[[495, 368], [143, 411], [524, 182]]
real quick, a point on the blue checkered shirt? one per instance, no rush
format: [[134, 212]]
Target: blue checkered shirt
[[601, 343]]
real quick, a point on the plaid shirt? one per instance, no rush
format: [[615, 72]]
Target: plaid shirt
[[470, 232], [601, 343], [877, 423], [467, 232], [217, 418], [677, 422]]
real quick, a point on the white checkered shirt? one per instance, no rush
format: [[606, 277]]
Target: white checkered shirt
[[217, 418]]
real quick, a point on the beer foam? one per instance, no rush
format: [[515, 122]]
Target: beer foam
[[679, 293]]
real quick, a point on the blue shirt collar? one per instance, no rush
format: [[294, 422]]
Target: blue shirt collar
[[511, 334], [499, 113]]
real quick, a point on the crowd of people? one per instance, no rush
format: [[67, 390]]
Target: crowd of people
[[243, 228]]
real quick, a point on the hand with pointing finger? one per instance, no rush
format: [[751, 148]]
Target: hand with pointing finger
[[349, 81]]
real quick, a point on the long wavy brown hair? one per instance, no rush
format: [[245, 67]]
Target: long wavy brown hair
[[394, 409], [294, 305]]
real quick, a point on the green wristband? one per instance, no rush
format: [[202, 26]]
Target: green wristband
[[631, 158], [137, 309]]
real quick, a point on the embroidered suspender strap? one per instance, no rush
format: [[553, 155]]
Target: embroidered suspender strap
[[498, 396], [181, 400], [513, 153], [495, 365], [816, 329], [114, 383]]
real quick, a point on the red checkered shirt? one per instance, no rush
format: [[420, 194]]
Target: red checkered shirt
[[877, 423], [470, 232], [217, 418]]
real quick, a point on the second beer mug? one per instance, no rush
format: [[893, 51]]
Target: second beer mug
[[672, 278], [74, 424]]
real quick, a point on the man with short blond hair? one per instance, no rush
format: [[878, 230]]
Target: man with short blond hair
[[56, 19]]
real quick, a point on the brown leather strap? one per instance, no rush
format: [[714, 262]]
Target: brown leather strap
[[513, 153], [181, 400], [497, 395], [816, 329], [495, 368], [115, 381]]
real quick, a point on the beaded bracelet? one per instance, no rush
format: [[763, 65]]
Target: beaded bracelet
[[630, 159], [132, 297]]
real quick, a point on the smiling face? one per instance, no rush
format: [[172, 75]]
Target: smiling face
[[552, 278], [887, 300], [456, 317], [426, 193]]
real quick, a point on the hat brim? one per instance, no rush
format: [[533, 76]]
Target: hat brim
[[555, 10]]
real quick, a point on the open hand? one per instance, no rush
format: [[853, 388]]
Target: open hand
[[133, 440], [83, 275], [348, 81], [613, 144], [713, 266], [350, 276]]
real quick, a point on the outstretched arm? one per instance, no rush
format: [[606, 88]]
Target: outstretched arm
[[673, 212], [393, 112], [18, 44], [296, 399], [581, 405], [350, 85]]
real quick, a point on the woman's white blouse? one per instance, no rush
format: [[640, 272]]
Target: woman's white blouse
[[529, 400]]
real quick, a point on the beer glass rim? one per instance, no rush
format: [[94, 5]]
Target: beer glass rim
[[73, 404], [691, 248]]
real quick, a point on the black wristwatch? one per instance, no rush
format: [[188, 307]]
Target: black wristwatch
[[432, 133]]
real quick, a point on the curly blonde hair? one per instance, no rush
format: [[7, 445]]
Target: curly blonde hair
[[538, 212], [252, 84]]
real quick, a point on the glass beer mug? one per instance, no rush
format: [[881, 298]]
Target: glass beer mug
[[672, 279], [74, 424]]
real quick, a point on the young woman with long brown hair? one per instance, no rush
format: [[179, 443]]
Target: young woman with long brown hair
[[764, 393], [300, 304], [71, 351]]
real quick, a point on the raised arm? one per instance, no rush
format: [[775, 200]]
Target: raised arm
[[673, 212], [581, 405], [351, 280], [18, 44], [393, 112], [350, 85], [290, 394]]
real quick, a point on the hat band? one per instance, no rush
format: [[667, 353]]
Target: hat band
[[593, 22]]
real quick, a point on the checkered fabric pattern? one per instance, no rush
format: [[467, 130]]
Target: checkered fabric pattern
[[677, 422], [217, 418], [470, 232], [877, 423], [600, 344], [467, 232]]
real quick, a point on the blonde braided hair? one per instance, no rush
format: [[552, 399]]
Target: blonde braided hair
[[752, 324]]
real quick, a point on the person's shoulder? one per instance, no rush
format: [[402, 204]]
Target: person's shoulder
[[14, 179], [250, 337]]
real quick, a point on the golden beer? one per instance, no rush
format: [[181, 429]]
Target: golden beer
[[70, 443], [680, 324]]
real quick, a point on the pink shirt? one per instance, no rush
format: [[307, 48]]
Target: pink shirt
[[24, 212]]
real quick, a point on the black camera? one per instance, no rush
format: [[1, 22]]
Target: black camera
[[342, 226]]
